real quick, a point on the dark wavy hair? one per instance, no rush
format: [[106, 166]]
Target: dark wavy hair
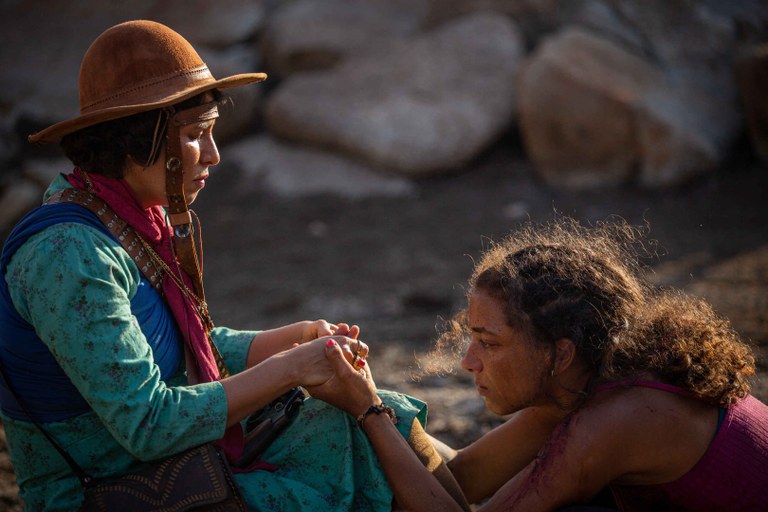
[[563, 280], [104, 148]]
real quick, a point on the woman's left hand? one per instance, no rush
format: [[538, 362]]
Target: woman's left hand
[[319, 328]]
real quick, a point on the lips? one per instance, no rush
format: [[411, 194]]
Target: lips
[[200, 181], [482, 390]]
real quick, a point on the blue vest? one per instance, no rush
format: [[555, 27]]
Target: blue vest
[[30, 367]]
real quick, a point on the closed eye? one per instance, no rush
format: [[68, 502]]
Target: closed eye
[[484, 343], [199, 130]]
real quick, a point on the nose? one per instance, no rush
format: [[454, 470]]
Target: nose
[[470, 362], [209, 154]]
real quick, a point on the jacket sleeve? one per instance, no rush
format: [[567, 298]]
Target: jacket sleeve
[[234, 346]]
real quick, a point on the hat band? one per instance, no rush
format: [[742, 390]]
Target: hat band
[[163, 87]]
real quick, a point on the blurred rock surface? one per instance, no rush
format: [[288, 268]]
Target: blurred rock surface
[[425, 105]]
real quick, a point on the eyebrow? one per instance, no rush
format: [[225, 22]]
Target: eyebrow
[[483, 330]]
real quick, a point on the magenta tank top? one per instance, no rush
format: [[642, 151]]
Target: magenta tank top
[[732, 475]]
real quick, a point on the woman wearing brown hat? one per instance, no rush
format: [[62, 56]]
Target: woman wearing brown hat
[[106, 343]]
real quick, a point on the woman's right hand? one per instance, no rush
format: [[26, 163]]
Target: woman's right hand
[[303, 364]]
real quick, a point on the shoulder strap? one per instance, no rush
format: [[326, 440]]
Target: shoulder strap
[[120, 229]]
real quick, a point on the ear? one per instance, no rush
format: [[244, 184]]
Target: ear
[[563, 356]]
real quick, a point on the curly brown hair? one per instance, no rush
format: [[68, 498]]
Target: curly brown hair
[[563, 280], [681, 340]]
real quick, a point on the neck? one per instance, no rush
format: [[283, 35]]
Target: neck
[[146, 183], [568, 389]]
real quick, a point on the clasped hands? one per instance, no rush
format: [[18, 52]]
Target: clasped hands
[[348, 383]]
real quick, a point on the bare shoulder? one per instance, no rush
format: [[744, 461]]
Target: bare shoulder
[[659, 435]]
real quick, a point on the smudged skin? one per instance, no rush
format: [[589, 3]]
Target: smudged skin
[[634, 436]]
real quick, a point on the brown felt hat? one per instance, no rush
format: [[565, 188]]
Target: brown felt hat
[[134, 67]]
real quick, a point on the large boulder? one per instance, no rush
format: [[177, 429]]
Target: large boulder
[[593, 113], [429, 104], [290, 171], [534, 18]]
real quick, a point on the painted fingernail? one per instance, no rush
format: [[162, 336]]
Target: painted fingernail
[[361, 363], [330, 343]]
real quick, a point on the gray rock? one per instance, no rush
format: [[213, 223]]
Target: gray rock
[[291, 171], [593, 114], [534, 17], [309, 35], [690, 41], [431, 104]]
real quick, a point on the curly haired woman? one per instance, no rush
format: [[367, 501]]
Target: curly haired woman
[[611, 384]]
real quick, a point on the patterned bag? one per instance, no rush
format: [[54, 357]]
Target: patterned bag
[[197, 479]]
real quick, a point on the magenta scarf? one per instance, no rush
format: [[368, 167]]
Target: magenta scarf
[[151, 225]]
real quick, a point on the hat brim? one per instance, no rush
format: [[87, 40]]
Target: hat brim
[[55, 132]]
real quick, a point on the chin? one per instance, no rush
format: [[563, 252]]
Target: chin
[[502, 409], [495, 408]]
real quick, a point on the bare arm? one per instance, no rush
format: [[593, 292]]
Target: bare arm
[[415, 488], [270, 342], [570, 468], [484, 466]]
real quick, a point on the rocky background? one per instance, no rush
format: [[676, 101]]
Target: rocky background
[[394, 138]]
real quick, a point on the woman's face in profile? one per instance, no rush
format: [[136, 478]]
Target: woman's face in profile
[[198, 154], [510, 371]]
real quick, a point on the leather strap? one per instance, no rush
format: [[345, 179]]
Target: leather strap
[[120, 229], [188, 249]]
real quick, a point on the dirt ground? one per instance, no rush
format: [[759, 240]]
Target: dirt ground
[[396, 266]]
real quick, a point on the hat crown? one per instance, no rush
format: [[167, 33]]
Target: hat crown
[[138, 62]]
